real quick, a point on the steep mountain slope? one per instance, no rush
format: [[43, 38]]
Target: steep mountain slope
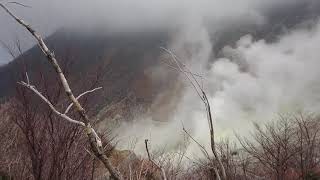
[[119, 61]]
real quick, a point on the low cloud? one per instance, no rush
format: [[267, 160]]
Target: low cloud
[[128, 16]]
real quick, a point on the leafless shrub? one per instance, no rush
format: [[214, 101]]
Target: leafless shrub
[[285, 149], [96, 145], [306, 144], [39, 145]]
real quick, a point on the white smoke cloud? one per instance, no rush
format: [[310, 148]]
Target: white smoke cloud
[[281, 77], [254, 81]]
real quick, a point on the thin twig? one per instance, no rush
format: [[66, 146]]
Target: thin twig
[[17, 3], [203, 149], [202, 95], [71, 104], [180, 70], [177, 62], [8, 48], [44, 99]]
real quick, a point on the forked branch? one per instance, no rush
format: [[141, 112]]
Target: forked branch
[[202, 95], [87, 92], [95, 141], [45, 100]]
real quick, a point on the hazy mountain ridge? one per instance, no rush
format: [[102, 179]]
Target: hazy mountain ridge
[[122, 58]]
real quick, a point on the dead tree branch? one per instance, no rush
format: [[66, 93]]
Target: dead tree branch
[[202, 95], [44, 99], [95, 142], [87, 92], [153, 162], [203, 149], [20, 4]]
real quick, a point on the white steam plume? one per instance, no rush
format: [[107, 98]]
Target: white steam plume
[[254, 81]]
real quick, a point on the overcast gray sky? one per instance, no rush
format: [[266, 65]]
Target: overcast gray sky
[[125, 15]]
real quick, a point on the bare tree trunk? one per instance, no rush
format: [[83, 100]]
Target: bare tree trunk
[[95, 142]]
